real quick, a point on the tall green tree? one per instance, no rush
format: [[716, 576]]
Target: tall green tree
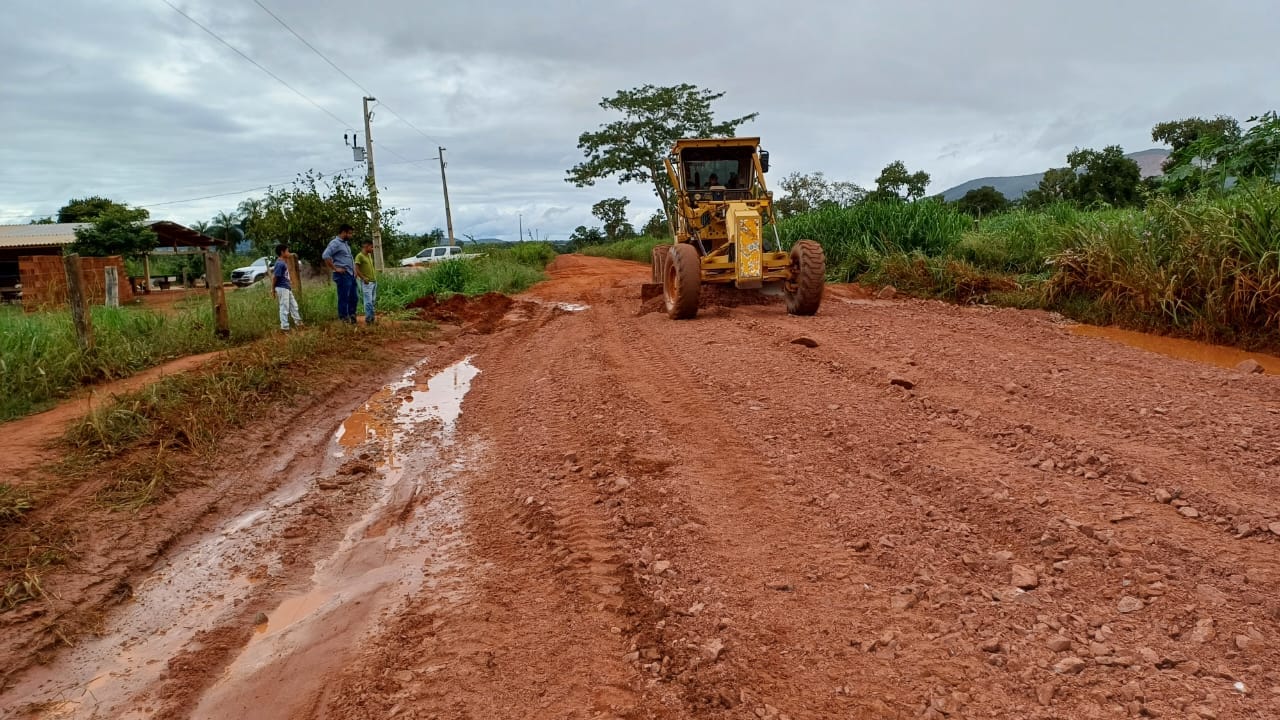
[[1257, 153], [656, 226], [896, 182], [804, 192], [116, 230], [87, 209], [1221, 155], [612, 213], [1057, 185], [307, 214], [982, 201], [632, 148], [227, 227], [1197, 144], [1105, 176], [583, 236]]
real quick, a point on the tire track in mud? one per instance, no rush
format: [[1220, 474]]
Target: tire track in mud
[[701, 519], [544, 542], [958, 489]]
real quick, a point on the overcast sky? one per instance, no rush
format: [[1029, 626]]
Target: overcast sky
[[129, 100]]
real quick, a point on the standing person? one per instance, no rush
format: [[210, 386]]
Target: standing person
[[282, 291], [338, 257], [368, 280]]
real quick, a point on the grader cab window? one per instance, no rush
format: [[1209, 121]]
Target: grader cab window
[[719, 169]]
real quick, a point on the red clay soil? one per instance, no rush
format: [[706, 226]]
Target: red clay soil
[[934, 512], [479, 314]]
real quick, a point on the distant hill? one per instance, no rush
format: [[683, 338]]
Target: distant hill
[[1015, 186]]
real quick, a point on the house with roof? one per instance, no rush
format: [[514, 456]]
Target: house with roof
[[33, 245]]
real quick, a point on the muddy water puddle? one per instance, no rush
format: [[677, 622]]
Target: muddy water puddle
[[1222, 356], [411, 524]]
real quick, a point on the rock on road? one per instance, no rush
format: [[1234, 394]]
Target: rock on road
[[932, 511]]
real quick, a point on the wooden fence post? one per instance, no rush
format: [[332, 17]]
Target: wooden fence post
[[295, 273], [79, 302], [213, 278], [111, 286]]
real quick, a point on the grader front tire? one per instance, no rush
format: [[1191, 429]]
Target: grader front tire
[[682, 281], [808, 278]]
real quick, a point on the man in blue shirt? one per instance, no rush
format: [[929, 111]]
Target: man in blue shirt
[[338, 257], [282, 291]]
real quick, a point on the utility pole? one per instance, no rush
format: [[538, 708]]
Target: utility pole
[[448, 214], [372, 182], [520, 236]]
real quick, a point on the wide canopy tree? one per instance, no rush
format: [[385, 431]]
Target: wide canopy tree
[[632, 148]]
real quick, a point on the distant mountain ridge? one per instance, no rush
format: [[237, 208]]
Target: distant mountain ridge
[[1015, 186]]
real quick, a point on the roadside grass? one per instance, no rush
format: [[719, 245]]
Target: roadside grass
[[1206, 267], [137, 449], [504, 270], [639, 249], [40, 362]]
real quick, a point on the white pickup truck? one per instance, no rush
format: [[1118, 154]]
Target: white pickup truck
[[438, 254], [252, 273]]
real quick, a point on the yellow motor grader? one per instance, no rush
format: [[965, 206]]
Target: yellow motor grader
[[723, 207]]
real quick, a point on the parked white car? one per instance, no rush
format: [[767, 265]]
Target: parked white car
[[252, 273], [437, 254]]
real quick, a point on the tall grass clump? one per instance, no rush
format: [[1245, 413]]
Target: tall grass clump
[[856, 237], [1207, 267], [505, 270], [1022, 241], [639, 249]]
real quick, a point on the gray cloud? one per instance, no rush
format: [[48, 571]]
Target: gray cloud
[[130, 100]]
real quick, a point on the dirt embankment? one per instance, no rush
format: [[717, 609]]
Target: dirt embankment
[[928, 511]]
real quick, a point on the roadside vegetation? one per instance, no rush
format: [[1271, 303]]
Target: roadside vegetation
[[41, 363], [503, 269], [638, 249], [1206, 266]]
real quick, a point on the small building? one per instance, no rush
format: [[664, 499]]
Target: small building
[[42, 241]]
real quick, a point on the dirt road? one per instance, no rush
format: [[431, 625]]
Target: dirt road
[[933, 512]]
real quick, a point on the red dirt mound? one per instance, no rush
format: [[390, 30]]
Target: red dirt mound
[[480, 314]]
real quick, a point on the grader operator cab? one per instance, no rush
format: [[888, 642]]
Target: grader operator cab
[[722, 209]]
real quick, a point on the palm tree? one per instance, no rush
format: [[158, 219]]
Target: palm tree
[[201, 227], [226, 227]]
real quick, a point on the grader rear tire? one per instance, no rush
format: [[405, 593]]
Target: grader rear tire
[[658, 262], [681, 282], [808, 278]]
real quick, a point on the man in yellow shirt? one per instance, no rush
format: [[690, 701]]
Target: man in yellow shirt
[[368, 281]]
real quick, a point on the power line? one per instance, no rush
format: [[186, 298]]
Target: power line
[[304, 41], [273, 76], [344, 73], [256, 64]]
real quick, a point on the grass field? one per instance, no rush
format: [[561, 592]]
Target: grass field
[[40, 361], [637, 249]]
